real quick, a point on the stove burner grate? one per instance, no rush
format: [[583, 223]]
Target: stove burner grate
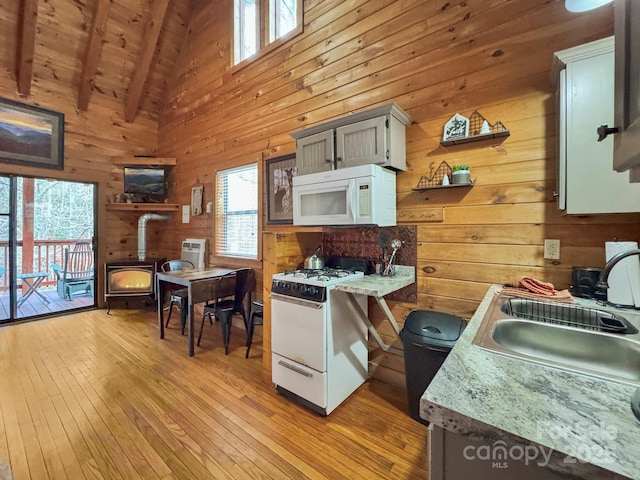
[[323, 275]]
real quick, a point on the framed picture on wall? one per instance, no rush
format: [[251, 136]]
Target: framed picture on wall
[[279, 178], [31, 135]]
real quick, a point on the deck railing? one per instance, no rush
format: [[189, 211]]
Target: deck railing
[[45, 254]]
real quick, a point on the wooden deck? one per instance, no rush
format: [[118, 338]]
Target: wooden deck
[[35, 306], [97, 396]]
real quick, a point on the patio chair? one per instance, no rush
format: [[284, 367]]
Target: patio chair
[[77, 272]]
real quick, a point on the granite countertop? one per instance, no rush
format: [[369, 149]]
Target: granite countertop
[[495, 397], [380, 285]]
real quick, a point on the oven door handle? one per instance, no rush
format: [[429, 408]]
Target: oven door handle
[[297, 301], [294, 368]]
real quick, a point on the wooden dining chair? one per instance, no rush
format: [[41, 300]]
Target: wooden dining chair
[[179, 298], [224, 309]]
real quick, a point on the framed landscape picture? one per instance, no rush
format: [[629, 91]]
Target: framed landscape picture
[[279, 178], [31, 135]]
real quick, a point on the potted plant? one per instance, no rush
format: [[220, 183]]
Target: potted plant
[[461, 174]]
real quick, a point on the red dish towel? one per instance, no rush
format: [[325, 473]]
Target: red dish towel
[[538, 287], [562, 296]]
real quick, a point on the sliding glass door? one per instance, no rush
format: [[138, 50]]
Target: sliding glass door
[[5, 257], [46, 247]]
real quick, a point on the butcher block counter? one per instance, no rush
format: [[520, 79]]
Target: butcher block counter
[[377, 286]]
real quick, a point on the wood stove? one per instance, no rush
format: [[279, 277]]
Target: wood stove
[[130, 278]]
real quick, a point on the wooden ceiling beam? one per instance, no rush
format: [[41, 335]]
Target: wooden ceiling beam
[[27, 20], [92, 53], [151, 34]]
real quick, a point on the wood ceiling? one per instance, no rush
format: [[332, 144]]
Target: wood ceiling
[[123, 48]]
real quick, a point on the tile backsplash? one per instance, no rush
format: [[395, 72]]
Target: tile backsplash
[[371, 243]]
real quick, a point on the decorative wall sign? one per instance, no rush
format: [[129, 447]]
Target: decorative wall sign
[[279, 177], [456, 127], [31, 135], [196, 199]]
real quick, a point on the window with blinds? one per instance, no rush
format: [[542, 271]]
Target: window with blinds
[[236, 228]]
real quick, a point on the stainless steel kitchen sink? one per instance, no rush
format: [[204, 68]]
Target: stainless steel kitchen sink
[[569, 315], [557, 341]]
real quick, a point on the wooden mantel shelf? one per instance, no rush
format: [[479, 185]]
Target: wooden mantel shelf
[[143, 207], [143, 161]]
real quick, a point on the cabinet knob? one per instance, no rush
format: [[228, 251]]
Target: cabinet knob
[[605, 130]]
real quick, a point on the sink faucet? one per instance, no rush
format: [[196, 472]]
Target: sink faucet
[[604, 275]]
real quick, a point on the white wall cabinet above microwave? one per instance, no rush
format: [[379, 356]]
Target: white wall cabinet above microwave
[[584, 77], [376, 136]]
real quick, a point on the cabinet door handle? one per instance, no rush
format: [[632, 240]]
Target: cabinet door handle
[[327, 160], [338, 159], [605, 130]]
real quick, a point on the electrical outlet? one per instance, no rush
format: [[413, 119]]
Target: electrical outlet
[[551, 249]]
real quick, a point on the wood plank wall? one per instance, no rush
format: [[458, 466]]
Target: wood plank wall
[[433, 58], [95, 136]]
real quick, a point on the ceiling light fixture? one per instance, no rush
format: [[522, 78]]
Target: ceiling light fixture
[[577, 6]]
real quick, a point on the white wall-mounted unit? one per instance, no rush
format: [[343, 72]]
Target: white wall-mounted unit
[[584, 76], [193, 250]]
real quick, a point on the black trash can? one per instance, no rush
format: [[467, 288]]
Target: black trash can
[[428, 337]]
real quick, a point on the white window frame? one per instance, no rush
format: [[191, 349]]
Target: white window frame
[[222, 215], [265, 17], [239, 21]]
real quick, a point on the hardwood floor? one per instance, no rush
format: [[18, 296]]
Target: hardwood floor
[[94, 396]]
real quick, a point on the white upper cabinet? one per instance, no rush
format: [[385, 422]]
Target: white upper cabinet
[[362, 143], [375, 136], [315, 153], [584, 76], [627, 88]]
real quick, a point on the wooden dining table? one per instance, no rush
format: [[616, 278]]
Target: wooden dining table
[[200, 285]]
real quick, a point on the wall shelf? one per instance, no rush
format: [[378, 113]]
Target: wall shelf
[[434, 187], [475, 138], [143, 207], [143, 161]]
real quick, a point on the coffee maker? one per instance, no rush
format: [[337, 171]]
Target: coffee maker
[[583, 283]]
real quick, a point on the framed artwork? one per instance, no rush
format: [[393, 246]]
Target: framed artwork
[[280, 172], [31, 135]]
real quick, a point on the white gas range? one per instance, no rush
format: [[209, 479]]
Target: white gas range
[[319, 346]]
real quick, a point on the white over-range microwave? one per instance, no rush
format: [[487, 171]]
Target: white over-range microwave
[[361, 195]]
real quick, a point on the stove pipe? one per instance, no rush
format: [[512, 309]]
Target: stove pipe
[[142, 231]]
